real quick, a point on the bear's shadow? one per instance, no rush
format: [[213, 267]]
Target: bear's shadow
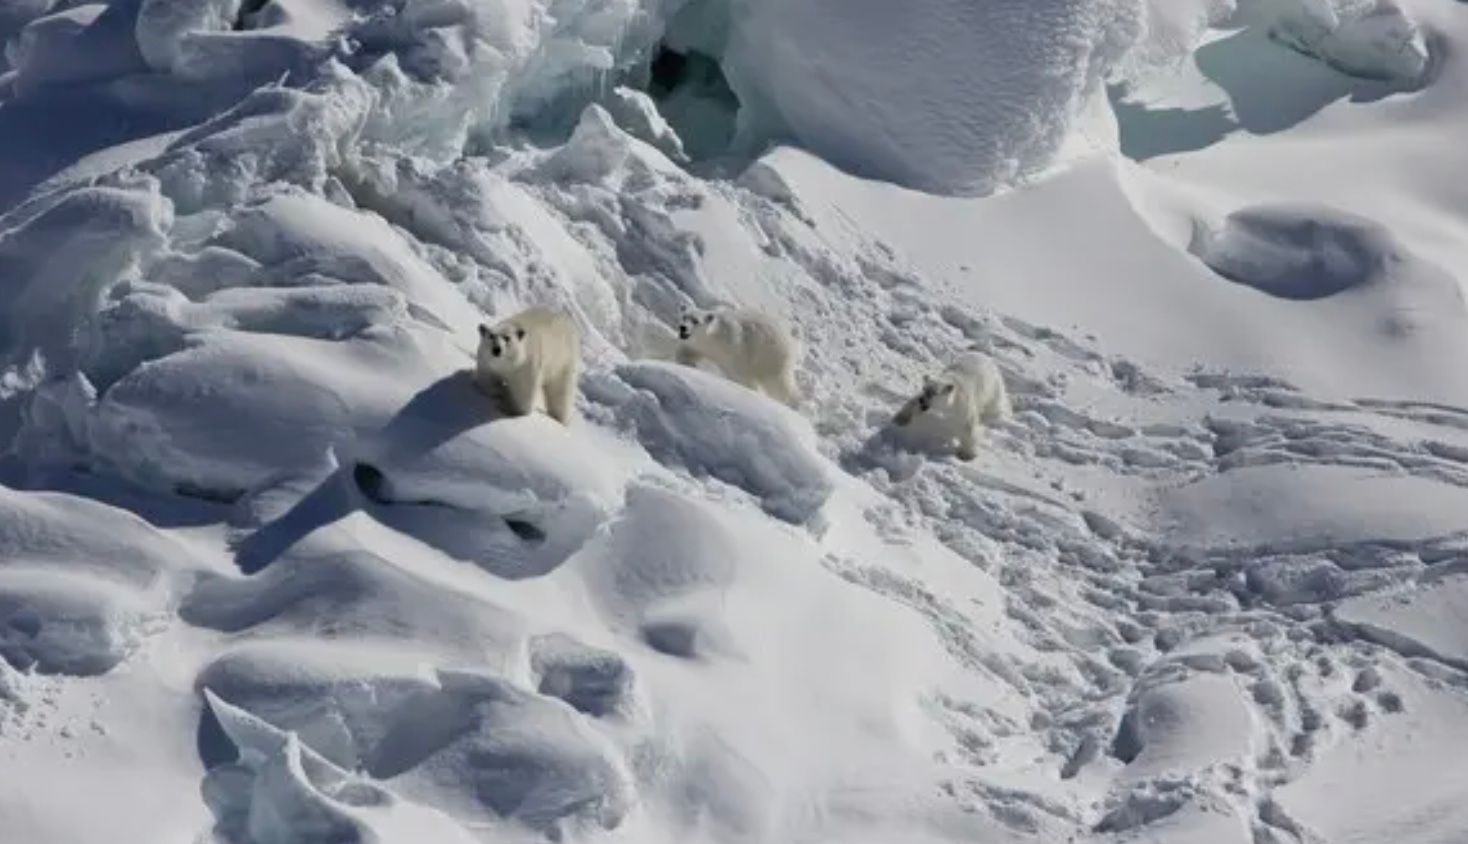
[[439, 412], [434, 415]]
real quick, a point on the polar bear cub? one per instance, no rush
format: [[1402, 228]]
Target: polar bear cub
[[955, 404], [746, 345], [536, 355]]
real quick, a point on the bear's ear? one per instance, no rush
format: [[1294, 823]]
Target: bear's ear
[[483, 330], [519, 334]]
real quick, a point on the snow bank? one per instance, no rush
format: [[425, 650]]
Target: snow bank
[[1403, 782], [61, 254], [349, 594], [714, 427], [1376, 39], [281, 791], [1429, 618], [483, 749], [1179, 725], [298, 238], [943, 95], [517, 496], [74, 599], [274, 134]]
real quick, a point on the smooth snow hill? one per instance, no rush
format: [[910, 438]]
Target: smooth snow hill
[[274, 571]]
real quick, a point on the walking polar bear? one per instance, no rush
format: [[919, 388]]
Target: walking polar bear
[[956, 403], [749, 347], [536, 356]]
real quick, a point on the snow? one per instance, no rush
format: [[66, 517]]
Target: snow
[[1426, 618], [889, 91], [715, 428], [1370, 38], [273, 568]]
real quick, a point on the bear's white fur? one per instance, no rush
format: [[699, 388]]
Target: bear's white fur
[[535, 355], [955, 404], [746, 345]]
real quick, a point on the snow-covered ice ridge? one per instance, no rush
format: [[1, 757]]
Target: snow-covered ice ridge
[[273, 570]]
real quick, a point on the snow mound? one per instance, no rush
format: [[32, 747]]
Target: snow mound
[[59, 255], [942, 95], [1176, 725], [484, 749], [283, 792], [78, 600], [515, 495], [660, 567], [1375, 39], [71, 534], [1427, 619], [717, 428], [349, 594]]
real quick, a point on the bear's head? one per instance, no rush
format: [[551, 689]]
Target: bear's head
[[695, 324], [937, 393], [502, 347]]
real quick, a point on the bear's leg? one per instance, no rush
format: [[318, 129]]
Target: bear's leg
[[687, 356], [906, 413], [968, 440], [782, 388], [522, 392], [999, 407], [560, 397]]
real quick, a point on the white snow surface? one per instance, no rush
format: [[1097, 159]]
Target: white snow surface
[[275, 570]]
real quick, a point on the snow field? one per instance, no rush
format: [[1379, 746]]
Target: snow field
[[1179, 596]]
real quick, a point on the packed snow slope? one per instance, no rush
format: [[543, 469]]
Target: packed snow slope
[[274, 571]]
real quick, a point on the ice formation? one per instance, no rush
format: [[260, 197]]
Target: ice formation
[[274, 569]]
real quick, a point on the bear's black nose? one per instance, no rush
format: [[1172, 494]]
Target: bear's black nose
[[683, 332]]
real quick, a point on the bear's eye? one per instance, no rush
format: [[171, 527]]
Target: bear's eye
[[483, 330], [519, 334]]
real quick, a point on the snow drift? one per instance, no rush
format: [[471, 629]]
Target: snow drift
[[274, 569]]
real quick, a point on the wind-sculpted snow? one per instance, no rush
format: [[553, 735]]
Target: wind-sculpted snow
[[716, 428], [276, 567], [78, 598], [1376, 39], [943, 95]]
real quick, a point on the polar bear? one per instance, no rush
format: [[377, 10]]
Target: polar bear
[[955, 404], [535, 354], [746, 345]]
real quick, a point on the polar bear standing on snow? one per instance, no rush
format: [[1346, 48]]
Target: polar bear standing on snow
[[747, 346], [535, 355], [956, 404]]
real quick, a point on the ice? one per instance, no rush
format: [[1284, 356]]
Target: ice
[[1376, 39], [58, 261], [276, 567], [895, 96], [487, 750], [282, 792]]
